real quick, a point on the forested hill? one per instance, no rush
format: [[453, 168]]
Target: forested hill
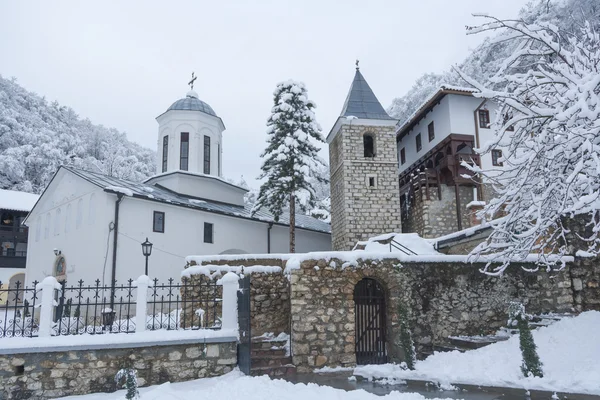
[[36, 137], [485, 60]]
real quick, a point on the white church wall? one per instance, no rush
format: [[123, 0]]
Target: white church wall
[[80, 232], [440, 116], [306, 241]]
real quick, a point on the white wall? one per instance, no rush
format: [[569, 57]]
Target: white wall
[[89, 248], [197, 124], [440, 115]]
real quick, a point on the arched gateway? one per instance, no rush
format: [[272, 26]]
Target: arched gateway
[[370, 314]]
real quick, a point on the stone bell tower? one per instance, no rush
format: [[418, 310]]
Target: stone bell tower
[[363, 169]]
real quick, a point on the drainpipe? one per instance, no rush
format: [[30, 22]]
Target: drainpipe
[[475, 119], [269, 238], [114, 259]]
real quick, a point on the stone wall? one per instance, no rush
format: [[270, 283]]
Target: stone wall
[[49, 374], [360, 211], [434, 217], [443, 299], [269, 295]]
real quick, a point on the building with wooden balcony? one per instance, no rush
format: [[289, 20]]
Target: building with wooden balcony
[[14, 207]]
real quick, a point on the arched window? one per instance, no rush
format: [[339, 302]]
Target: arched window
[[68, 219], [92, 210], [57, 222], [369, 145], [79, 219], [38, 229]]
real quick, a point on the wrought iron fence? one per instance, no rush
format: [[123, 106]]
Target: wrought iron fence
[[17, 310], [100, 309]]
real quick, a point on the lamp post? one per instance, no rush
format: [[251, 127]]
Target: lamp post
[[146, 251]]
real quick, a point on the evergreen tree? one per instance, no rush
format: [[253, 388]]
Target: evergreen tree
[[130, 377], [531, 366], [290, 159], [406, 341]]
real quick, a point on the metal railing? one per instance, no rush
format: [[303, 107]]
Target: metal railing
[[402, 248], [102, 309]]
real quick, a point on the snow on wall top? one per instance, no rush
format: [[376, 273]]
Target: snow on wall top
[[412, 241], [17, 201]]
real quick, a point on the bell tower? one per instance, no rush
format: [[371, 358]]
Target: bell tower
[[363, 167]]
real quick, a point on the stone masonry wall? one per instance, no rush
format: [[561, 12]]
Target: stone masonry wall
[[269, 296], [443, 299], [360, 211], [50, 374], [433, 218]]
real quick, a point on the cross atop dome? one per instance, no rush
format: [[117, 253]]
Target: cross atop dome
[[191, 83]]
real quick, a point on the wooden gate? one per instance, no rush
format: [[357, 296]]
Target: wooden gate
[[370, 313]]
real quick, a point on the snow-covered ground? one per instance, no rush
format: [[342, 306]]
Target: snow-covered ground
[[235, 385], [569, 350]]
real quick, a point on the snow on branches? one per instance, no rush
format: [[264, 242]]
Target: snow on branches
[[290, 159], [549, 93]]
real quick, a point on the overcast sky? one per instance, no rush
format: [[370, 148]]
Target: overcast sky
[[122, 63]]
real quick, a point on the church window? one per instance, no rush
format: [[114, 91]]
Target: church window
[[509, 128], [418, 140], [431, 131], [165, 153], [207, 155], [208, 233], [184, 151], [372, 181], [403, 156], [159, 222], [496, 155], [484, 119], [369, 145]]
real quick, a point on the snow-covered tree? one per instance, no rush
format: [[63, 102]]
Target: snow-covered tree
[[129, 376], [531, 365], [290, 159], [549, 130]]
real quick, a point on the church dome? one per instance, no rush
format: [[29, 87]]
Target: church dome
[[191, 102]]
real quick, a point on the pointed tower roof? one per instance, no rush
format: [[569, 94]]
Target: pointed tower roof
[[361, 101]]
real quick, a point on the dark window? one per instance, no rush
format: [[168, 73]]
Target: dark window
[[431, 131], [371, 181], [207, 155], [208, 233], [368, 146], [159, 222], [496, 155], [419, 145], [165, 153], [506, 118], [402, 156], [484, 119], [184, 151]]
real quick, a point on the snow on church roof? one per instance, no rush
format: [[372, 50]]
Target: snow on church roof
[[17, 201], [162, 195]]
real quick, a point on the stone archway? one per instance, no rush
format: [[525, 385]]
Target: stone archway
[[370, 322]]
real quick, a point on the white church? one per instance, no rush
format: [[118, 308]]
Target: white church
[[91, 226]]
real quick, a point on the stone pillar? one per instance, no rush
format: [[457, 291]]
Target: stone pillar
[[47, 286], [229, 319]]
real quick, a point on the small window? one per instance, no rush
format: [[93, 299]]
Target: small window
[[506, 118], [431, 131], [402, 156], [496, 155], [419, 145], [484, 119], [165, 153], [207, 155], [371, 181], [159, 222], [368, 144], [184, 151], [208, 233]]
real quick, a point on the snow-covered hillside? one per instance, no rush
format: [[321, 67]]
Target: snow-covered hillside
[[36, 137], [485, 60]]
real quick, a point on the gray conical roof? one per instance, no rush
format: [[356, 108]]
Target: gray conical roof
[[361, 101]]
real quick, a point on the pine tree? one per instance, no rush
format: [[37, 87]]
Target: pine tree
[[290, 159], [406, 342], [130, 384], [531, 366]]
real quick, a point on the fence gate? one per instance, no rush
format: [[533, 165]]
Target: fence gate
[[245, 344], [370, 313]]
